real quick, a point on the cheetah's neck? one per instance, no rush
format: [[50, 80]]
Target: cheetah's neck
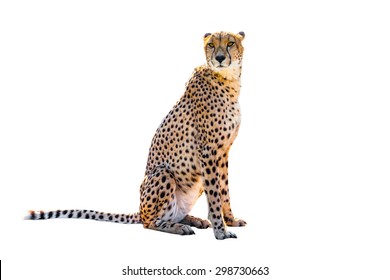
[[231, 73], [230, 81]]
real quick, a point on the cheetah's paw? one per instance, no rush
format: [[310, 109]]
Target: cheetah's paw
[[235, 222], [200, 223], [222, 234], [184, 230]]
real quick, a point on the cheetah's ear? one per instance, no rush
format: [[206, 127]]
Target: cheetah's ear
[[241, 35], [206, 35]]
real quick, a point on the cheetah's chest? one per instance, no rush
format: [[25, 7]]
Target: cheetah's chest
[[232, 125]]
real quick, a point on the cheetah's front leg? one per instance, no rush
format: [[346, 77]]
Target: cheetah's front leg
[[225, 197], [212, 185]]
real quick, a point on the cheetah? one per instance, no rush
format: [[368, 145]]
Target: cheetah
[[189, 151]]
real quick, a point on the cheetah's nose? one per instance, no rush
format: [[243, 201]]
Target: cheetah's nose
[[220, 58]]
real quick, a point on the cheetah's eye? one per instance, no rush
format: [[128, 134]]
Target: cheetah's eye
[[211, 45], [230, 44]]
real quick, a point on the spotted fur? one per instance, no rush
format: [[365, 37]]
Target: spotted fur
[[85, 214], [189, 151]]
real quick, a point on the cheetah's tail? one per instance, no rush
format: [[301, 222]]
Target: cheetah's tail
[[85, 214]]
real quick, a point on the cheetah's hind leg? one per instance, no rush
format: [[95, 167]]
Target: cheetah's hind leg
[[171, 227], [196, 222], [233, 222], [158, 203]]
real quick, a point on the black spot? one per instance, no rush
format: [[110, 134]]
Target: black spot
[[42, 215], [79, 214], [64, 212], [101, 217], [213, 181], [207, 182], [58, 213], [163, 179], [162, 194], [110, 218], [50, 214], [87, 216], [70, 215], [208, 170]]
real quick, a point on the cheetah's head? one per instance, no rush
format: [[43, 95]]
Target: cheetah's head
[[224, 52]]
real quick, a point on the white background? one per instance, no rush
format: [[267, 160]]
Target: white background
[[84, 85]]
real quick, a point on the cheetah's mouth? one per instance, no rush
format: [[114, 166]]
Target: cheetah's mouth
[[221, 65]]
